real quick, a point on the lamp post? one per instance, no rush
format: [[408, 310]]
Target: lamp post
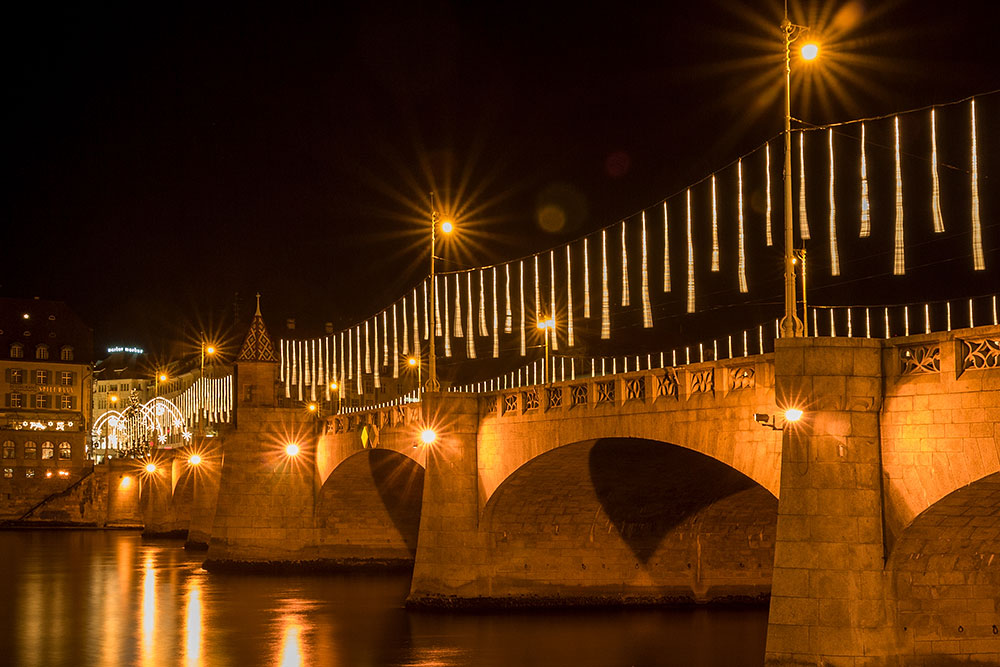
[[791, 325], [209, 350], [446, 227], [545, 326], [414, 362]]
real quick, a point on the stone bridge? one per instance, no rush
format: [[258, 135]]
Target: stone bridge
[[873, 523]]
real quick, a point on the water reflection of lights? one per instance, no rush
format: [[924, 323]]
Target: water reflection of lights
[[291, 643], [148, 609], [193, 622]]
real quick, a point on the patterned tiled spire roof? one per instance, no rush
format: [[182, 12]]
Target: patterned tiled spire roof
[[257, 345]]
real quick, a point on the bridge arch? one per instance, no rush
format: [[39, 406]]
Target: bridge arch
[[368, 508], [629, 519], [945, 568]]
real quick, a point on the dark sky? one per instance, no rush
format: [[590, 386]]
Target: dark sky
[[162, 157]]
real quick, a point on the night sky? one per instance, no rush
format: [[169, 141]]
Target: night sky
[[163, 158]]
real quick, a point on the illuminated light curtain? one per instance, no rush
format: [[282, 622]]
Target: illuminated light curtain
[[935, 184], [295, 365], [690, 242], [586, 279], [286, 359], [312, 361], [496, 318], [666, 250], [437, 306], [416, 325], [385, 338], [647, 310], [834, 254], [375, 362], [301, 369], [281, 356], [470, 340], [444, 323], [368, 359], [343, 361], [538, 297], [521, 276], [625, 293], [899, 263], [395, 344], [350, 356], [483, 331], [715, 229], [767, 195], [458, 309], [357, 351], [742, 255], [406, 333], [335, 371], [320, 362], [552, 289], [427, 312], [978, 259], [605, 296], [803, 218], [866, 217], [569, 299], [508, 322]]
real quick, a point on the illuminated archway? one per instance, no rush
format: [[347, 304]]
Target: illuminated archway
[[137, 429]]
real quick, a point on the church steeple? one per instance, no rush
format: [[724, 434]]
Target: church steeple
[[257, 345]]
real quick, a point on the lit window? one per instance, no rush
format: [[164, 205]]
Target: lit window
[[8, 449], [29, 472], [17, 351], [41, 377], [15, 400], [65, 402], [16, 376], [42, 401], [66, 378], [66, 353], [65, 451], [42, 351], [8, 473], [48, 450], [30, 450]]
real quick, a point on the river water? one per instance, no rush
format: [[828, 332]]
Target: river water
[[112, 599]]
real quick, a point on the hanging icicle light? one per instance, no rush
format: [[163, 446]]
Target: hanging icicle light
[[458, 309], [742, 258], [767, 194], [427, 311], [647, 311], [803, 218], [626, 300], [586, 279], [406, 336], [368, 359], [978, 259], [508, 322], [935, 184], [605, 295], [385, 338], [552, 289], [375, 361], [569, 299], [350, 355], [437, 306], [899, 263], [395, 345], [496, 318], [470, 341], [666, 249], [690, 243], [715, 228], [834, 254], [523, 341], [866, 220], [416, 324], [538, 291], [483, 331], [444, 324]]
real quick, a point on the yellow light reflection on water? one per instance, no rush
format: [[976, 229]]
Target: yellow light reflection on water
[[193, 622], [291, 643], [148, 610]]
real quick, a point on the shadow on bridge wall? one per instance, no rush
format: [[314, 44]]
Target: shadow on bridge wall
[[624, 519]]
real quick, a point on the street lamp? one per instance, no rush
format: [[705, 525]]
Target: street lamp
[[160, 379], [209, 350], [334, 387], [413, 362], [446, 227], [791, 325], [545, 326]]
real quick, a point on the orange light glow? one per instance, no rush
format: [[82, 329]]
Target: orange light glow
[[447, 227], [194, 459], [292, 450], [809, 51], [312, 407], [428, 436], [125, 483], [412, 361], [793, 414], [150, 468]]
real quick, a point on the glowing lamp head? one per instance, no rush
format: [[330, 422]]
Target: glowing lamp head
[[809, 51], [194, 459], [333, 386], [447, 226], [150, 468], [428, 436], [312, 407], [292, 450], [26, 316], [793, 414], [163, 377], [114, 399], [412, 361], [210, 350]]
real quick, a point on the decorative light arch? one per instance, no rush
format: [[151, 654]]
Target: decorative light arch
[[134, 431]]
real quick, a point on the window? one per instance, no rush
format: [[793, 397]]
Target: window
[[66, 378], [15, 400], [17, 351], [66, 353], [8, 449], [8, 473], [30, 450], [65, 451], [42, 351], [29, 472], [41, 377], [16, 376], [48, 450], [42, 401], [65, 402]]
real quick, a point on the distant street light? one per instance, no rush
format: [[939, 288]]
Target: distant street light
[[446, 227], [546, 326], [292, 450], [194, 459]]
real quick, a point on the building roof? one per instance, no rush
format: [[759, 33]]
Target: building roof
[[257, 345], [34, 322]]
